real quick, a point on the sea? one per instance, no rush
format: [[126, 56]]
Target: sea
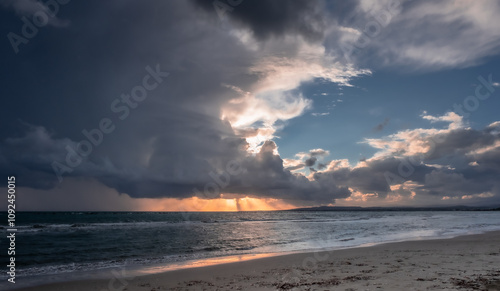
[[58, 246]]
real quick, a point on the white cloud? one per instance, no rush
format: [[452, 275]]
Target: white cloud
[[455, 120], [415, 141], [427, 35], [482, 195], [265, 110], [271, 97], [474, 34], [292, 164]]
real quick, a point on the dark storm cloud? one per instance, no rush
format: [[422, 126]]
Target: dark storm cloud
[[174, 143], [461, 141], [77, 72], [311, 161], [460, 162], [265, 175], [382, 125], [452, 183], [276, 18], [368, 179], [473, 163], [30, 157], [171, 144]]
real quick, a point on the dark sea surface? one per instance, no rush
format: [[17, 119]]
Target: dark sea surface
[[51, 243]]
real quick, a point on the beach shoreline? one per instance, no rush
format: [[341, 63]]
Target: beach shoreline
[[449, 263]]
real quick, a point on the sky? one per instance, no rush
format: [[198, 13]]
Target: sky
[[249, 105]]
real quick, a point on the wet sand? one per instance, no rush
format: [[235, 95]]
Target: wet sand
[[463, 263]]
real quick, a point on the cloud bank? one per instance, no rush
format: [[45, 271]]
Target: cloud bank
[[232, 84]]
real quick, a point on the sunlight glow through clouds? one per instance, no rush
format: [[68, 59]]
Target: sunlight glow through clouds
[[271, 98], [90, 192], [220, 204]]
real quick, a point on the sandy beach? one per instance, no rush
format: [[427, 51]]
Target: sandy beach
[[469, 262]]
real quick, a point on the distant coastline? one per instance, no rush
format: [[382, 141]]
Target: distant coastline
[[359, 208]]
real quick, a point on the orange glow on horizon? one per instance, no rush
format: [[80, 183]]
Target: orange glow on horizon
[[219, 204]]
